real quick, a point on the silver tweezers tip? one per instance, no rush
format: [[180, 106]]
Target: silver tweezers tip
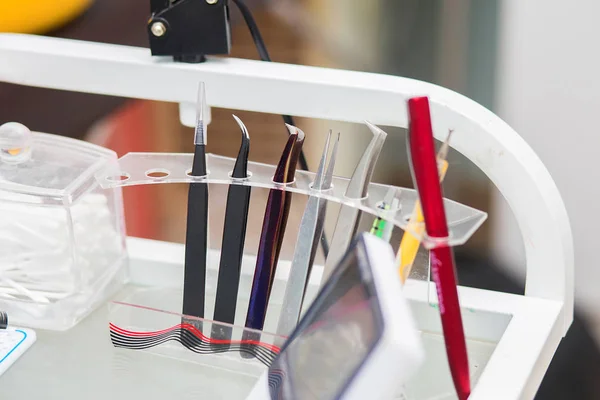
[[357, 187], [376, 130], [294, 130], [443, 153], [319, 179], [242, 127], [330, 167]]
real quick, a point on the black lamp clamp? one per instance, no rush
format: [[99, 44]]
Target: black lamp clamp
[[188, 30]]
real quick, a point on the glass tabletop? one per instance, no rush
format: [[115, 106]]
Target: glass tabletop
[[82, 363]]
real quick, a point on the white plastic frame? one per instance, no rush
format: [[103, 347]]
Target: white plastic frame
[[539, 319], [391, 362]]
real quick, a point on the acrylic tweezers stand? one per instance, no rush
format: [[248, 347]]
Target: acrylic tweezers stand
[[526, 330], [157, 307]]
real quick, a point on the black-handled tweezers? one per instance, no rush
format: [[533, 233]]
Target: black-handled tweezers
[[194, 281], [232, 247]]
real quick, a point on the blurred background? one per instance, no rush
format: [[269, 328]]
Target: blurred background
[[526, 61]]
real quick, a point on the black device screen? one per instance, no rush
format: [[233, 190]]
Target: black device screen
[[334, 338]]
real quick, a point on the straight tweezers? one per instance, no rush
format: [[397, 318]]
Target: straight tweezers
[[309, 235], [194, 283]]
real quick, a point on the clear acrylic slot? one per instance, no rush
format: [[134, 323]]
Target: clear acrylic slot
[[156, 168]]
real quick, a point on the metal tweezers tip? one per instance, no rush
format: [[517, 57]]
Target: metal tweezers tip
[[443, 153], [242, 127], [330, 167], [318, 183], [286, 168], [377, 131], [240, 169], [291, 129], [357, 188], [294, 130]]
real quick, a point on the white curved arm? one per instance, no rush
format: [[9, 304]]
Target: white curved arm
[[328, 94]]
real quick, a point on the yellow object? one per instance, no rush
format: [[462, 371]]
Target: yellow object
[[38, 16], [409, 246]]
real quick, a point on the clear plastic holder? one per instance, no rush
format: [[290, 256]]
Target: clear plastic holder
[[154, 168], [154, 308]]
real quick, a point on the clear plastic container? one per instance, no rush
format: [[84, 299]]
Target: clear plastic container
[[62, 236]]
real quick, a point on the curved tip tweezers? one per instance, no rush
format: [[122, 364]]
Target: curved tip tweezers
[[273, 231], [357, 188], [232, 247], [348, 217], [286, 168], [240, 169]]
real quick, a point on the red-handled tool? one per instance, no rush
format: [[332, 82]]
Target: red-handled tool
[[424, 170]]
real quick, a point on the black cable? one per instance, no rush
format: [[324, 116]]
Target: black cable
[[264, 56]]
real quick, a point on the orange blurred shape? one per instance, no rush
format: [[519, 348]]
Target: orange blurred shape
[[130, 130], [39, 16]]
